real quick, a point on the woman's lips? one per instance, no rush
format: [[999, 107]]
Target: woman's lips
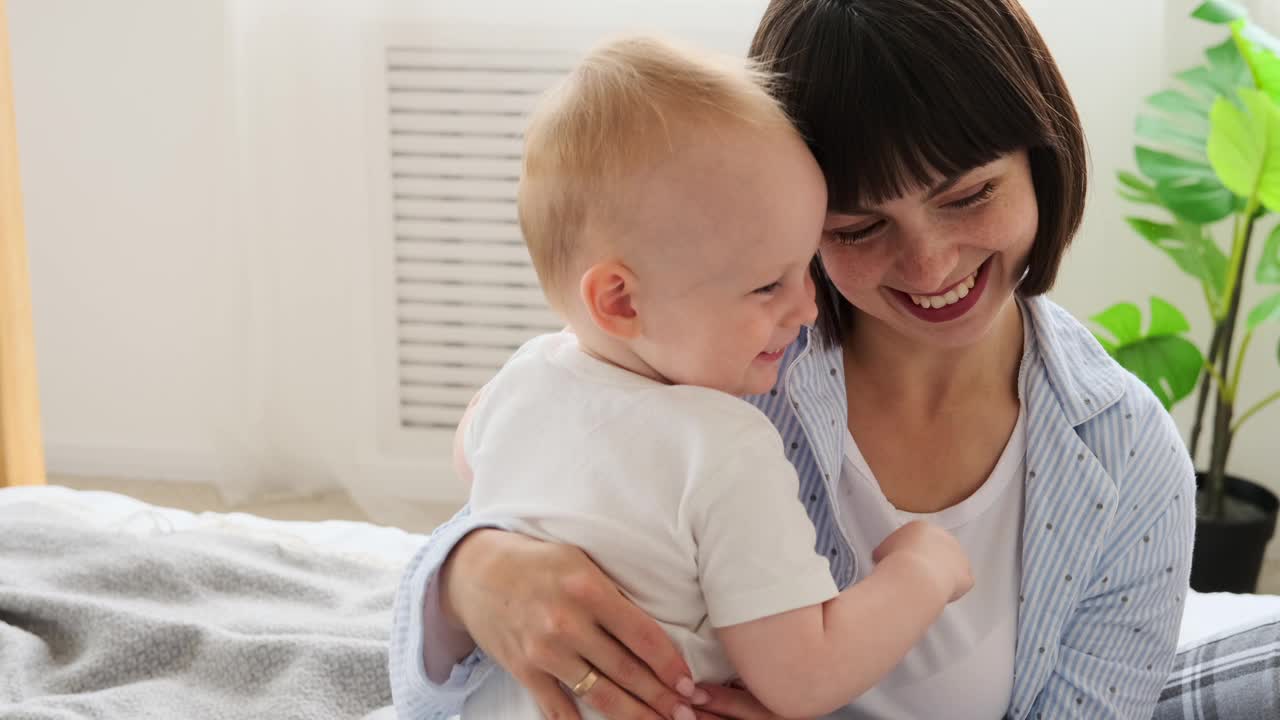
[[955, 302]]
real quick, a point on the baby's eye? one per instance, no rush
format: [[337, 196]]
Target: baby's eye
[[768, 289]]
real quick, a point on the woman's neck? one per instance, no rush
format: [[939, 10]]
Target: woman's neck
[[922, 381]]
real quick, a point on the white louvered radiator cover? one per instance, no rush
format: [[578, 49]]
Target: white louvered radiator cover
[[466, 294]]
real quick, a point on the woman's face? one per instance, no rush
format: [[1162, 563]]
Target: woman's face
[[936, 265]]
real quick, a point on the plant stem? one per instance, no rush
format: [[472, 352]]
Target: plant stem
[[1216, 482], [1235, 376], [1219, 311], [1206, 382], [1255, 410], [1218, 380], [1235, 269]]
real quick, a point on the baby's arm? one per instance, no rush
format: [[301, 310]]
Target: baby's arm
[[802, 647], [813, 660], [460, 464]]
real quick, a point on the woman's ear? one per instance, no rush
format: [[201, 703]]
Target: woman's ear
[[607, 289]]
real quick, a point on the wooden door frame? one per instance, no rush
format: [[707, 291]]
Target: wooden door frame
[[21, 448]]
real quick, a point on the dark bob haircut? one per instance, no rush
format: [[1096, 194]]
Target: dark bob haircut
[[892, 94]]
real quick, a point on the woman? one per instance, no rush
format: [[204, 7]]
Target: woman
[[955, 167]]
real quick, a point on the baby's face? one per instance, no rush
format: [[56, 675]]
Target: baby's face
[[730, 228]]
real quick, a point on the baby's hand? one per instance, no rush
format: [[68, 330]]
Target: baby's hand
[[936, 551]]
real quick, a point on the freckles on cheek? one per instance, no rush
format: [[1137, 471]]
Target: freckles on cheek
[[1013, 228], [846, 270]]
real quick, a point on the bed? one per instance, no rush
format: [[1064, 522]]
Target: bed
[[113, 608]]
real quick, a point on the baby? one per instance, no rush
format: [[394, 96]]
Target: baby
[[672, 211]]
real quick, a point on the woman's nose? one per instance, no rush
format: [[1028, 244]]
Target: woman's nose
[[925, 264]]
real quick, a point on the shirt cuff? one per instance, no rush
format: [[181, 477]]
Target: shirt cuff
[[419, 624]]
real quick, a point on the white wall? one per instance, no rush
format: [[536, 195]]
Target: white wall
[[197, 208], [136, 281]]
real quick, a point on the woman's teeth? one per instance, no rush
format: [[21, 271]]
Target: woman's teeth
[[951, 297]]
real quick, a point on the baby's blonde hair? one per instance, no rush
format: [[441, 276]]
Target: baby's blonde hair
[[624, 109]]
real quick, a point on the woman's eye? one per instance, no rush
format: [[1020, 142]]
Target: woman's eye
[[981, 196], [768, 289], [853, 237]]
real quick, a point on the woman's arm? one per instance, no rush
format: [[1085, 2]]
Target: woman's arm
[[546, 613], [1117, 647], [540, 610], [418, 628]]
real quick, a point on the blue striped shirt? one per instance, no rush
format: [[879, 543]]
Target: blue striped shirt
[[1106, 540]]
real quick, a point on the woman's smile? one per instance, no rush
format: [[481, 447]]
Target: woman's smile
[[953, 303]]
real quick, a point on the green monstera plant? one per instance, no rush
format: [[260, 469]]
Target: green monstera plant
[[1209, 158]]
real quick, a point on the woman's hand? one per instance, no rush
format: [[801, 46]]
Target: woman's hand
[[732, 703], [548, 615]]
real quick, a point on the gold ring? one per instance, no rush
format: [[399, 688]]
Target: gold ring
[[587, 682]]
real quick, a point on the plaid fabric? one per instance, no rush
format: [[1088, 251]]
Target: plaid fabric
[[1236, 677]]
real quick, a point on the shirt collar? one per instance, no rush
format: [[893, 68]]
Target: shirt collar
[[1084, 378]]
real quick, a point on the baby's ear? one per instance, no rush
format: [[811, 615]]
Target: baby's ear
[[607, 289]]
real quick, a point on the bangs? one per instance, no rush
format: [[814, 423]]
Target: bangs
[[919, 101]]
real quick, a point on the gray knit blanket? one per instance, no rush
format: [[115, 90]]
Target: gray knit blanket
[[185, 625]]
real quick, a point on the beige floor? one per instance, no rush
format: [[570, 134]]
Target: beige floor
[[412, 517], [419, 518]]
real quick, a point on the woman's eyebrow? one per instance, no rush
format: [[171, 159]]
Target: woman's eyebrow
[[937, 190], [947, 184]]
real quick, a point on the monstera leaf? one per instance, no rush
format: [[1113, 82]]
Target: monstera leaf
[[1269, 263], [1220, 11], [1182, 180], [1261, 54], [1266, 311], [1244, 146], [1193, 251], [1161, 357]]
